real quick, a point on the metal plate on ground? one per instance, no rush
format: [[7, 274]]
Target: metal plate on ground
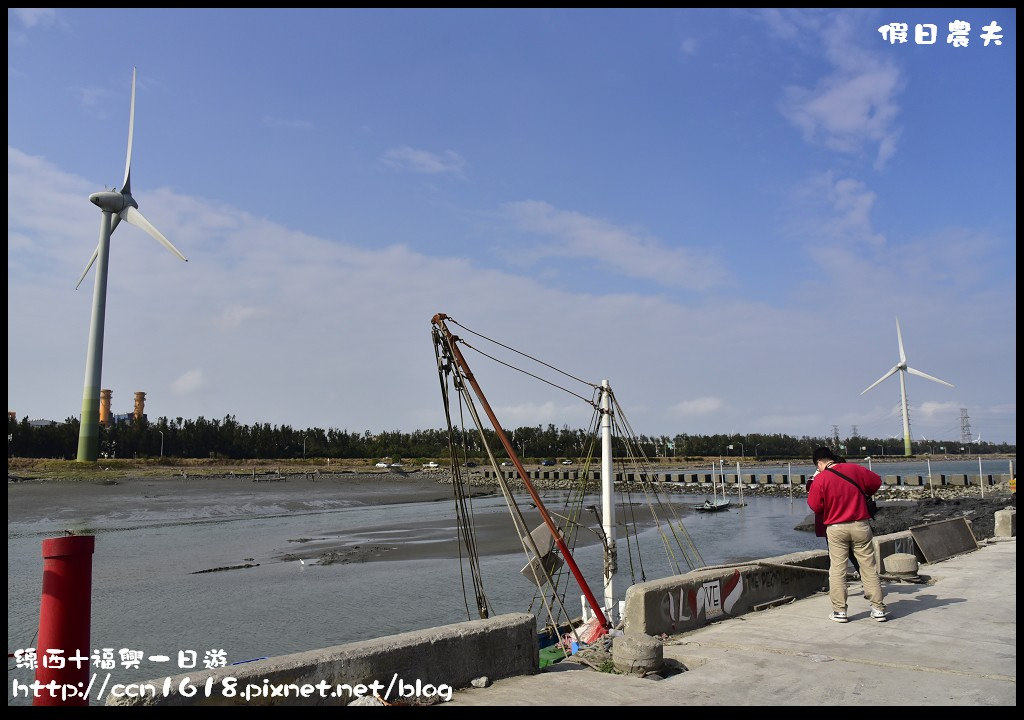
[[944, 539]]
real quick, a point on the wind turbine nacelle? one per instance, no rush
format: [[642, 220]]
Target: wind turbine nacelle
[[112, 201]]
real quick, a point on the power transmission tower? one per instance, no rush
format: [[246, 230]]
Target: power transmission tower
[[854, 432], [965, 427], [835, 436]]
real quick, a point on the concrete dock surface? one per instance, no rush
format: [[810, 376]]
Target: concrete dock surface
[[950, 640]]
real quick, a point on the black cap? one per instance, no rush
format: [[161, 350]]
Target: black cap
[[823, 453]]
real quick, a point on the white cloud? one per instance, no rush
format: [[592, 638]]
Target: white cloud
[[835, 212], [574, 235], [688, 46], [234, 315], [697, 408], [424, 162], [855, 104], [931, 411], [35, 17], [846, 111], [190, 382]]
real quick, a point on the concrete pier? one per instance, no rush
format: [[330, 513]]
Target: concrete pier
[[951, 639]]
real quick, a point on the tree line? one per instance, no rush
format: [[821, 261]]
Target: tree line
[[230, 440]]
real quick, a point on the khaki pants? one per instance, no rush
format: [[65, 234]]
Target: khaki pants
[[842, 539]]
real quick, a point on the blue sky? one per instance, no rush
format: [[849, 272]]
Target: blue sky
[[722, 212]]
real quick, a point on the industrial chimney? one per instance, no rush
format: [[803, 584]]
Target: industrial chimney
[[105, 407], [140, 405]]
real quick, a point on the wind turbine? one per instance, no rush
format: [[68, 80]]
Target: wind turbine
[[116, 206], [902, 368]]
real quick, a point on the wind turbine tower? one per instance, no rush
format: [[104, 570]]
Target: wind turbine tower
[[902, 368], [115, 206]]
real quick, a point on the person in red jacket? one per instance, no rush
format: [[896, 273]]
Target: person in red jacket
[[819, 530], [843, 505]]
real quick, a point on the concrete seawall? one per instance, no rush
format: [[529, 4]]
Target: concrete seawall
[[449, 656], [685, 602]]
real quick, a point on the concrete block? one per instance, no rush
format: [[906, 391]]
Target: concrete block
[[1006, 523], [891, 480], [901, 564], [637, 654]]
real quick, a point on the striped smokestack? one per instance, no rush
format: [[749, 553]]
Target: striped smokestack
[[105, 407]]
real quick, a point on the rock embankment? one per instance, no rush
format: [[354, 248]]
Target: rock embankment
[[979, 512], [900, 508]]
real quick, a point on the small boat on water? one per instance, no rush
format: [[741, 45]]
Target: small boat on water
[[716, 504]]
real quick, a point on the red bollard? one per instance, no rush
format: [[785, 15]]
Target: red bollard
[[64, 619]]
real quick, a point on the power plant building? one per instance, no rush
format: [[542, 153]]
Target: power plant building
[[139, 413]]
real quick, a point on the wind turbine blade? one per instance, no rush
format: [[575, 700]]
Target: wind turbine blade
[[899, 338], [95, 254], [133, 216], [126, 186], [926, 376], [888, 374]]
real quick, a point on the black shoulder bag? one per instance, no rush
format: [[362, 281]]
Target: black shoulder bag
[[872, 505]]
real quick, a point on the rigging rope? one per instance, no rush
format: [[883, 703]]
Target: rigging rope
[[465, 529], [528, 374], [518, 352], [661, 513], [468, 530]]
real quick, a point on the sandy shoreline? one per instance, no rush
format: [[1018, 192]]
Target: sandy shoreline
[[48, 508], [28, 497]]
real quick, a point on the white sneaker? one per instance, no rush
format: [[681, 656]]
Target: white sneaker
[[879, 615], [839, 616]]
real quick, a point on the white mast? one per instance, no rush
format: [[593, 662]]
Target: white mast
[[607, 496]]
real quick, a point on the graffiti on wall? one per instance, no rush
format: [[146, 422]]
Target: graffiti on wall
[[708, 600], [701, 602]]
